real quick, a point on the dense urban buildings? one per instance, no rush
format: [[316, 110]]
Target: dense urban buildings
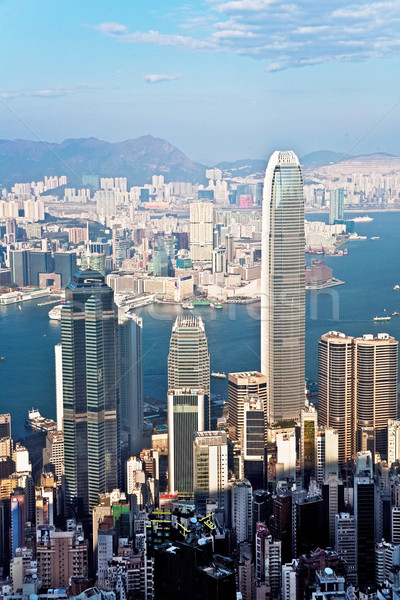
[[254, 492], [283, 287]]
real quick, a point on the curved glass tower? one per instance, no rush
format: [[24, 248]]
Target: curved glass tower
[[283, 287]]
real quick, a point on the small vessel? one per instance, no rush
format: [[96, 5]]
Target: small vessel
[[395, 313], [362, 219], [375, 237], [187, 306], [385, 318], [36, 422], [19, 307], [55, 312], [218, 375], [2, 358], [397, 287], [215, 305]]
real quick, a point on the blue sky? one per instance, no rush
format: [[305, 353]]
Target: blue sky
[[222, 80]]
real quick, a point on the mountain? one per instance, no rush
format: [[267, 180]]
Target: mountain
[[242, 168], [137, 159], [322, 158]]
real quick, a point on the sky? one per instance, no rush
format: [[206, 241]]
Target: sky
[[221, 80]]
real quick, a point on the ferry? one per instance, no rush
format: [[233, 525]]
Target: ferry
[[395, 314], [386, 318], [362, 219], [201, 303], [55, 313], [36, 422], [218, 375], [187, 306], [215, 305]]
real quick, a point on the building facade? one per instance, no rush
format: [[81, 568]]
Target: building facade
[[283, 287]]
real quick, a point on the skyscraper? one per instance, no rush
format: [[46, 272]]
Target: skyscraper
[[210, 468], [188, 359], [336, 204], [241, 386], [185, 417], [201, 231], [131, 380], [283, 287], [375, 387], [335, 389], [90, 395]]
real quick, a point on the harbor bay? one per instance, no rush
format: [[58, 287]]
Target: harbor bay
[[370, 271]]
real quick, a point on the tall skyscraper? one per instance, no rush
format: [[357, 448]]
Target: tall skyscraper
[[357, 390], [283, 287], [210, 468], [335, 389], [131, 380], [242, 386], [375, 387], [364, 512], [90, 394], [201, 231], [185, 417], [336, 205], [188, 359]]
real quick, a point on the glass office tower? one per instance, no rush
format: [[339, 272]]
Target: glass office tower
[[90, 391], [283, 287]]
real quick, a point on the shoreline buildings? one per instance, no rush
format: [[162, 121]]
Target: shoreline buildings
[[283, 287]]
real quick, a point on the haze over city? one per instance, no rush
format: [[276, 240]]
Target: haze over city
[[220, 80]]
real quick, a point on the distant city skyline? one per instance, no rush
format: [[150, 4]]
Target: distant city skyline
[[220, 80]]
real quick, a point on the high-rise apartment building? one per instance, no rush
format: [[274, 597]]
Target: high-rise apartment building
[[60, 555], [131, 380], [185, 417], [201, 231], [241, 386], [90, 391], [336, 205], [210, 468], [345, 543], [335, 389], [189, 360], [375, 387], [283, 287], [241, 510]]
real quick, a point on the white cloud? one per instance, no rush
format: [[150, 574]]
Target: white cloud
[[284, 34], [160, 77], [151, 37], [55, 92]]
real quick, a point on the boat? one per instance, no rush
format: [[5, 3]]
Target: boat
[[215, 305], [201, 303], [386, 318], [36, 422], [397, 287], [55, 312], [375, 237], [187, 306], [2, 358], [395, 313], [362, 219], [218, 375]]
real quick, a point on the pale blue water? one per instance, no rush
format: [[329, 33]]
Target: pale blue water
[[370, 271]]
